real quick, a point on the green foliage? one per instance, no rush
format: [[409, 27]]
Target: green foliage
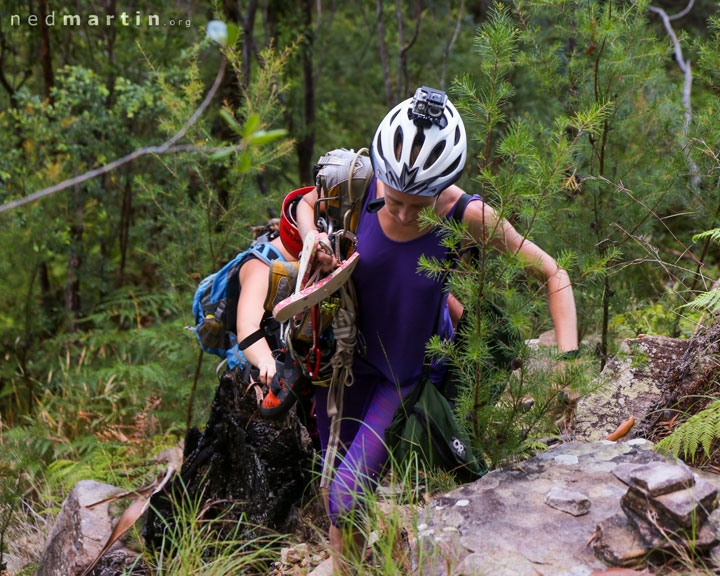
[[701, 430], [194, 544], [95, 385], [576, 124], [604, 69], [524, 165], [659, 317], [713, 235], [707, 301]]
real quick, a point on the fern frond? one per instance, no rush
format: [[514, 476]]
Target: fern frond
[[713, 234], [709, 301], [701, 429]]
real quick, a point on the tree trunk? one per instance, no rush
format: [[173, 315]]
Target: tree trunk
[[306, 142], [248, 41], [383, 54], [45, 55], [230, 91], [72, 274], [111, 34], [271, 21], [249, 50], [262, 185], [404, 48], [125, 216], [27, 343], [250, 470], [46, 296], [401, 55]]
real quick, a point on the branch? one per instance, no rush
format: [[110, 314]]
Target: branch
[[684, 12], [687, 85], [418, 14], [162, 149], [621, 188], [449, 46], [402, 56]]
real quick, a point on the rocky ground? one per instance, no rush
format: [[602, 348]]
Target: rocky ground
[[562, 513], [574, 510]]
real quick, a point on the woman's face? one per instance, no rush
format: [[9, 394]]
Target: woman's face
[[404, 208]]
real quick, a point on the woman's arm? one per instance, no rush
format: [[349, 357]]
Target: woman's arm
[[305, 213], [305, 218], [250, 311], [485, 226]]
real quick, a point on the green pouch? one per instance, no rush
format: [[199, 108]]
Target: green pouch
[[425, 424]]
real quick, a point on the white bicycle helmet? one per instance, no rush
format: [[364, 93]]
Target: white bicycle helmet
[[420, 146]]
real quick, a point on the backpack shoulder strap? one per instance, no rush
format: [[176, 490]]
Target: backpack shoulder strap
[[265, 252], [267, 327]]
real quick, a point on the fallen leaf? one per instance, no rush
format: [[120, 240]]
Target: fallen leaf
[[621, 430], [130, 516], [620, 572]]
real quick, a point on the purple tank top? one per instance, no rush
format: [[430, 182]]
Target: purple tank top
[[399, 306]]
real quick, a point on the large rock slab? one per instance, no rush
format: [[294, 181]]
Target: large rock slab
[[78, 534], [632, 383], [501, 524]]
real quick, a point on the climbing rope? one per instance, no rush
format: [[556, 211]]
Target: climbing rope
[[345, 334]]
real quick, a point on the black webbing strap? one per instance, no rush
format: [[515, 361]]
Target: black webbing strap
[[267, 327]]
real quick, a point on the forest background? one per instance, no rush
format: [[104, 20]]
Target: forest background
[[592, 127]]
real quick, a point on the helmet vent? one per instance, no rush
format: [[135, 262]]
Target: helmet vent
[[435, 154], [417, 145], [450, 169], [398, 143], [457, 135], [378, 142]]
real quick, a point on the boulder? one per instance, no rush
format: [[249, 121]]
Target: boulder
[[618, 543], [669, 506], [656, 478], [79, 533], [631, 384], [501, 524]]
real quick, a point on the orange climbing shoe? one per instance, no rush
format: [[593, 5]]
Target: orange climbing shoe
[[289, 382]]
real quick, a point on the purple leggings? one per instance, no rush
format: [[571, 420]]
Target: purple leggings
[[368, 408]]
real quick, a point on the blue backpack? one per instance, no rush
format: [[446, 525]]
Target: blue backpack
[[215, 307]]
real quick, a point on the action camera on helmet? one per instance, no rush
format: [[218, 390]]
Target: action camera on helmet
[[428, 106]]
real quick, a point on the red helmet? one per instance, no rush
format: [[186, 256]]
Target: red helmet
[[288, 225]]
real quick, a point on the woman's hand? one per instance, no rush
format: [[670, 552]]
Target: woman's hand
[[267, 370], [325, 257], [305, 216]]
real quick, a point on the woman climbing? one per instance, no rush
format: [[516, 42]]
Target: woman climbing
[[418, 153], [250, 311], [228, 305]]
